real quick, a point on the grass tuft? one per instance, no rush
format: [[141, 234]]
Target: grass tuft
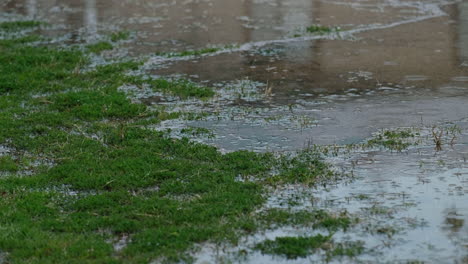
[[99, 47], [292, 247]]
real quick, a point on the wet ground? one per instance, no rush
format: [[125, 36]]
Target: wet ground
[[386, 64]]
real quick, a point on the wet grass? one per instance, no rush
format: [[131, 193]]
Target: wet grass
[[103, 175], [398, 140], [8, 164], [318, 29], [348, 249], [99, 47], [316, 219], [197, 131], [118, 36], [18, 25], [293, 247], [303, 246]]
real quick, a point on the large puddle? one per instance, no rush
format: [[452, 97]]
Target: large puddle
[[386, 64]]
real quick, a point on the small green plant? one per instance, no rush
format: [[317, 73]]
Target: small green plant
[[318, 29], [398, 140], [99, 47], [121, 35]]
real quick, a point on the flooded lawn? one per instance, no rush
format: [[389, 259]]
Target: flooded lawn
[[340, 131]]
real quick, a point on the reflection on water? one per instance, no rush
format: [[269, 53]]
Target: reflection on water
[[463, 31]]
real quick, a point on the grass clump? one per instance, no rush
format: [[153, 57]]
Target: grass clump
[[293, 247], [394, 139], [318, 29], [99, 47], [305, 167], [315, 219], [118, 36], [301, 247], [346, 249], [19, 25], [8, 164], [197, 131]]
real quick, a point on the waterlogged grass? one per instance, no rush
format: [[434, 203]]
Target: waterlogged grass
[[99, 47], [105, 176], [18, 25], [398, 140], [197, 131], [303, 246], [118, 36], [293, 247], [315, 219], [318, 29]]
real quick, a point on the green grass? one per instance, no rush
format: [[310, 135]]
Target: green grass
[[293, 247], [18, 25], [303, 246], [8, 164], [315, 219], [398, 140], [118, 36], [318, 29], [100, 174], [347, 249], [99, 47]]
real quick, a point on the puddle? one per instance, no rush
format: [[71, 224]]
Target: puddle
[[387, 64]]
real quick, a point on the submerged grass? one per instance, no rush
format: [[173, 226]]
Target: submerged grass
[[398, 140], [108, 175], [188, 52], [293, 247], [99, 47], [18, 25], [118, 36]]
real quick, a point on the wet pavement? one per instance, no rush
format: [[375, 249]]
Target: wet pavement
[[387, 64]]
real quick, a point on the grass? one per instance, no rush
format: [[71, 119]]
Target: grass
[[118, 36], [303, 246], [293, 247], [348, 249], [315, 219], [398, 140], [102, 175], [318, 29], [99, 47], [18, 25], [7, 164], [197, 131]]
